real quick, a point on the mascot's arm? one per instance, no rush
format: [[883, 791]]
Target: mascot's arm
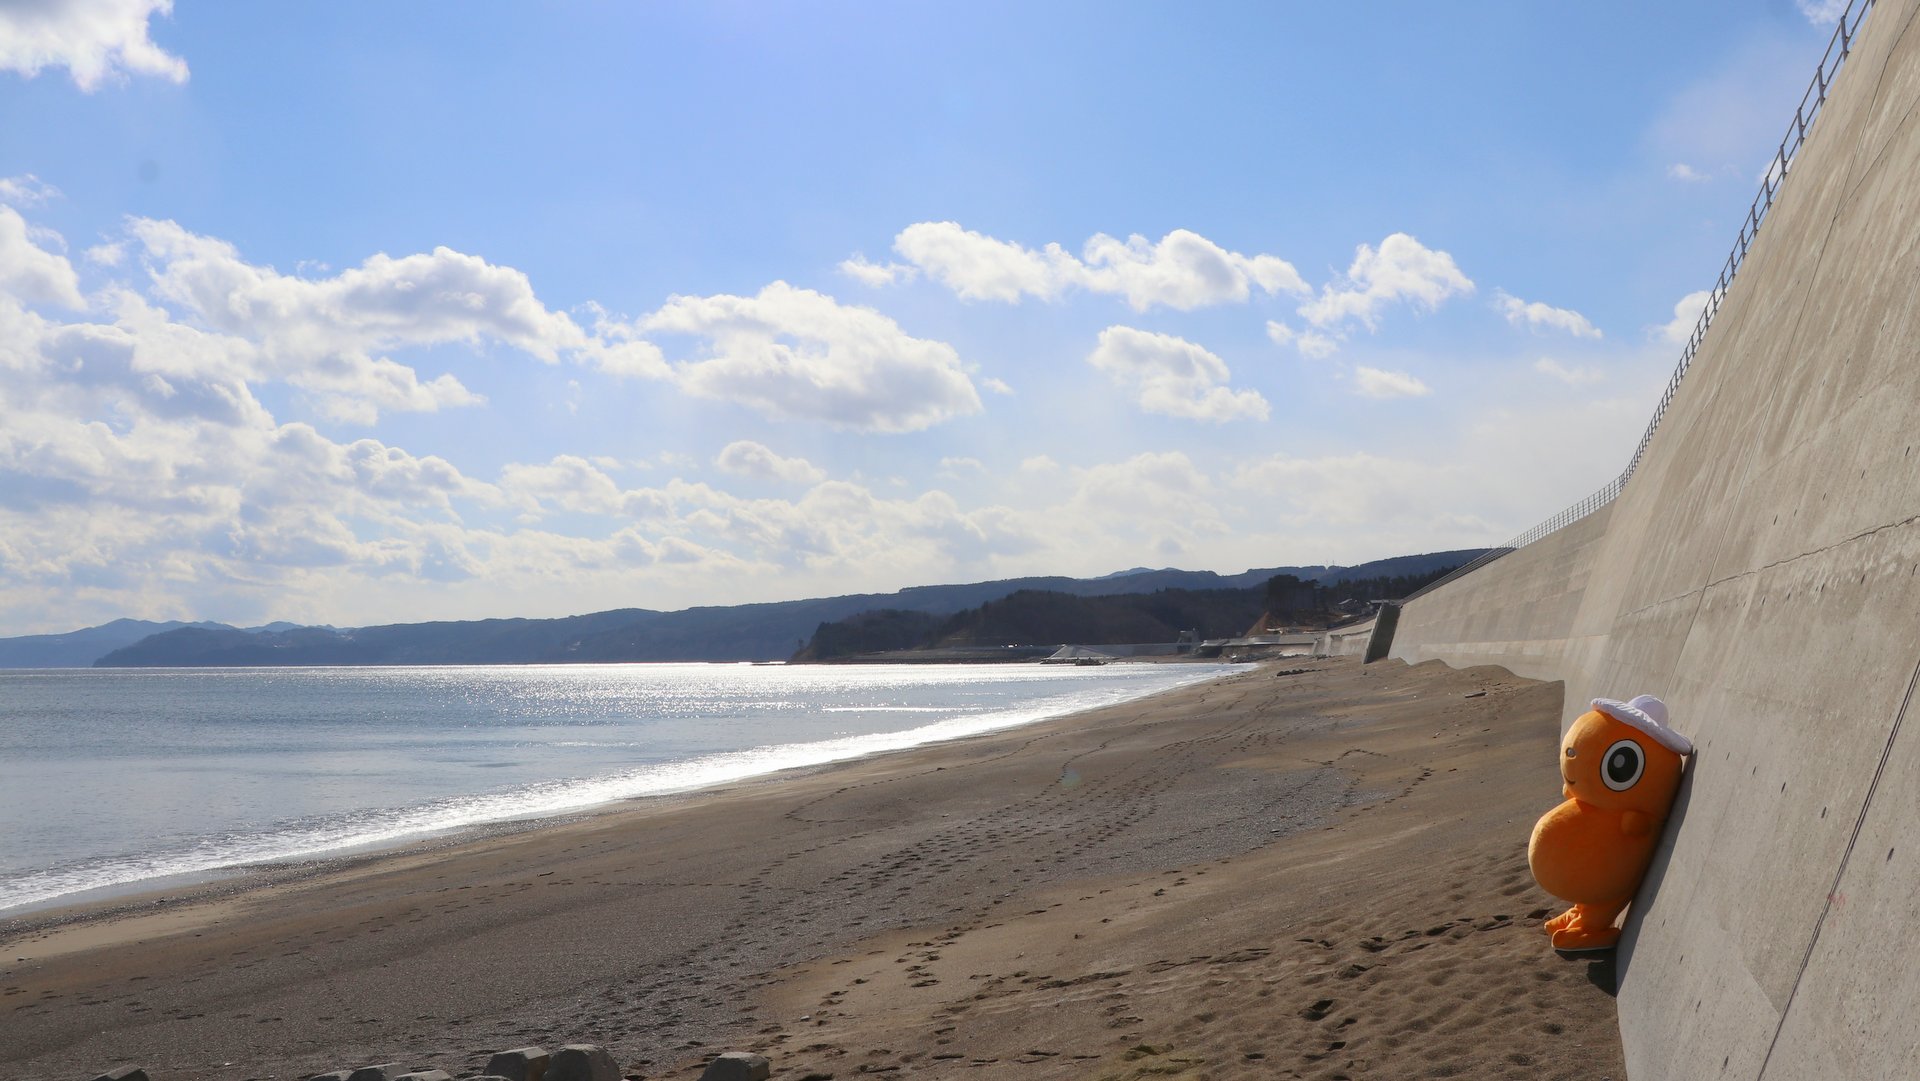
[[1635, 824]]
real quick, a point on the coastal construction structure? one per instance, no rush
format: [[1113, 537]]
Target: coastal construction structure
[[1759, 568]]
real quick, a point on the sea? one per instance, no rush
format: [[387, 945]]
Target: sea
[[114, 780]]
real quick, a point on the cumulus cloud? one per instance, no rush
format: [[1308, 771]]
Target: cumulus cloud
[[140, 473], [1173, 376], [877, 274], [796, 353], [385, 474], [746, 458], [1160, 500], [1572, 375], [570, 482], [1311, 344], [835, 526], [1686, 316], [95, 40], [1680, 170], [1400, 270], [978, 267], [421, 299], [29, 271], [1183, 270], [1536, 315], [1376, 383], [324, 334], [137, 459]]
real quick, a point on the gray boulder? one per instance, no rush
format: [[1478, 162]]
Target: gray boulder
[[425, 1075], [123, 1073], [738, 1066], [336, 1075], [386, 1071], [582, 1062], [520, 1064]]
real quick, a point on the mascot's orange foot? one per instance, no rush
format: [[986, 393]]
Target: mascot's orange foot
[[1578, 939], [1563, 920]]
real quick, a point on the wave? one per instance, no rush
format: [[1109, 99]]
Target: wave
[[337, 834]]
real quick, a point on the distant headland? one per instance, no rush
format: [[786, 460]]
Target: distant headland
[[1078, 609]]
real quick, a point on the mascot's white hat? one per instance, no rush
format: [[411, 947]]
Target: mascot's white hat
[[1649, 715]]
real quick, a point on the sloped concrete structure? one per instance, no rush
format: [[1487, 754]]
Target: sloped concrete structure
[[1761, 572]]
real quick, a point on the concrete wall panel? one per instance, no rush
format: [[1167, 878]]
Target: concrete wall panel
[[1762, 573], [1853, 1013]]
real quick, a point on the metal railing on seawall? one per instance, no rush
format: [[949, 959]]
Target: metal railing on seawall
[[1811, 104]]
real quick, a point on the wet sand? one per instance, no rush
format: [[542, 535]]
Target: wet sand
[[1311, 870]]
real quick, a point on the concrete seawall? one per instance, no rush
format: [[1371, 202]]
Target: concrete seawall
[[1761, 572]]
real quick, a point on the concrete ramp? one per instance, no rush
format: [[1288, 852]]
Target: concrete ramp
[[1761, 572]]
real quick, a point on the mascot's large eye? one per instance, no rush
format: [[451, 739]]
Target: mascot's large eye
[[1623, 765]]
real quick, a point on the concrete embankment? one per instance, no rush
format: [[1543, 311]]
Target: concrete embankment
[[1761, 572]]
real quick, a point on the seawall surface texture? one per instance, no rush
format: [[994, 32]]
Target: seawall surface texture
[[1761, 572]]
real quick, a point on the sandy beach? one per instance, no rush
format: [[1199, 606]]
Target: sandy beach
[[1308, 870]]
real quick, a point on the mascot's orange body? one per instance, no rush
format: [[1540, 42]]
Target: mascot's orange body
[[1620, 766]]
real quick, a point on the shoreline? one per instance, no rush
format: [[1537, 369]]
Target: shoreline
[[1273, 821], [137, 892]]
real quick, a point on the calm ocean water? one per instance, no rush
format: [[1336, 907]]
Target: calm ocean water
[[111, 777]]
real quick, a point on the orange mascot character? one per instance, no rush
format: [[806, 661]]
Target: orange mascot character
[[1621, 766]]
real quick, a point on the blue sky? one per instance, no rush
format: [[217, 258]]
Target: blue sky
[[357, 313]]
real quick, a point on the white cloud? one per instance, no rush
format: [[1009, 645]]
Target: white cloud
[[1183, 270], [94, 40], [1401, 269], [1173, 376], [978, 267], [1686, 316], [26, 190], [322, 334], [140, 474], [1157, 499], [1375, 383], [745, 458], [1311, 344], [1039, 463], [442, 296], [572, 483], [955, 467], [877, 274], [1536, 315], [1680, 170], [29, 271], [1570, 374], [1344, 490], [108, 255], [139, 465], [1822, 12], [795, 353]]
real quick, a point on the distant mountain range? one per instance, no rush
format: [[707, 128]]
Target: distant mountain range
[[79, 649], [746, 632]]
